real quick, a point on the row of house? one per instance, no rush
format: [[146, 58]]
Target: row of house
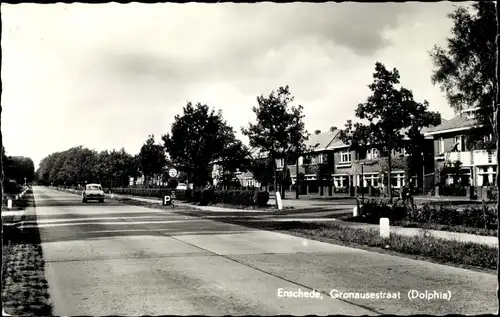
[[446, 142]]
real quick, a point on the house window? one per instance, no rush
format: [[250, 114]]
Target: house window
[[458, 143], [345, 157], [279, 163], [321, 159]]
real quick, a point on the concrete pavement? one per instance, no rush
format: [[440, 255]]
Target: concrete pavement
[[115, 259], [329, 212]]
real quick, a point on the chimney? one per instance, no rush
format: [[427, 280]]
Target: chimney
[[317, 132], [333, 129]]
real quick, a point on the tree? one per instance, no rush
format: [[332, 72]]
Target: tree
[[465, 69], [200, 137], [56, 167], [45, 167], [279, 131], [262, 170], [120, 162], [17, 170], [152, 158], [389, 112]]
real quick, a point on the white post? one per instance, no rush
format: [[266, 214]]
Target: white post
[[9, 204], [385, 228], [355, 212], [278, 201]]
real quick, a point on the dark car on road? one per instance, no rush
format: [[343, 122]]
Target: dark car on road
[[93, 192]]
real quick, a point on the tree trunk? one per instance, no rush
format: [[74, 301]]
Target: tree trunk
[[497, 121], [275, 179], [284, 179], [389, 181], [297, 178]]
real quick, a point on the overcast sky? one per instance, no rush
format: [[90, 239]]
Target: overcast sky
[[107, 75]]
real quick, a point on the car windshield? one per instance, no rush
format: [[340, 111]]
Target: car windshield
[[94, 187]]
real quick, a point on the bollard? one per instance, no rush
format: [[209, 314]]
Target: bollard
[[385, 228], [355, 212], [278, 201], [9, 204]]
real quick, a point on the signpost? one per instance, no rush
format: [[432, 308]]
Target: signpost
[[167, 201]]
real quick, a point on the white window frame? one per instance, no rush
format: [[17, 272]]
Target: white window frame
[[321, 158], [441, 145], [458, 140], [345, 153], [280, 163]]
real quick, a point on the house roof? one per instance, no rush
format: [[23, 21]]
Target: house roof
[[460, 122], [322, 140]]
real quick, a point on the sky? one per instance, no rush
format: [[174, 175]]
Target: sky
[[107, 75]]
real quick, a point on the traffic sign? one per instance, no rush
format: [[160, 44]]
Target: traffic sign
[[172, 172], [167, 201]]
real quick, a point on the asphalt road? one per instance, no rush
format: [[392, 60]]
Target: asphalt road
[[115, 259]]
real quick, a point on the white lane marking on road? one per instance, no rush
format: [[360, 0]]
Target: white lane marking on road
[[127, 223], [175, 233], [98, 218]]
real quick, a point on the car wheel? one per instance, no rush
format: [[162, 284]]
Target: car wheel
[[101, 201]]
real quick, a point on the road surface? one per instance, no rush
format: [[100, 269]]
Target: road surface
[[115, 259]]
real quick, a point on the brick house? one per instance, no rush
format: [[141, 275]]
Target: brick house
[[479, 164], [344, 169]]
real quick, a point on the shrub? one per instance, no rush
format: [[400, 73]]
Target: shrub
[[261, 198], [374, 209], [204, 197], [482, 216]]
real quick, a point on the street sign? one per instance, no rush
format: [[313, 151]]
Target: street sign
[[167, 201], [172, 172]]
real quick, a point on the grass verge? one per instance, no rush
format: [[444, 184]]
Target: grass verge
[[468, 255], [429, 226], [24, 287]]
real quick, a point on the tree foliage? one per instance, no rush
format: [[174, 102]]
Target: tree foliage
[[200, 137], [17, 169], [465, 68], [152, 158], [392, 116], [78, 165], [279, 131]]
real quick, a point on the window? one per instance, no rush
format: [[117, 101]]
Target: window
[[458, 143], [441, 146], [279, 163], [345, 157], [321, 159]]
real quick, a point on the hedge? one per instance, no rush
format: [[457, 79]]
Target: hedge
[[204, 197], [483, 216]]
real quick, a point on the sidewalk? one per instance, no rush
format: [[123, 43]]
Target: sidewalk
[[462, 237]]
